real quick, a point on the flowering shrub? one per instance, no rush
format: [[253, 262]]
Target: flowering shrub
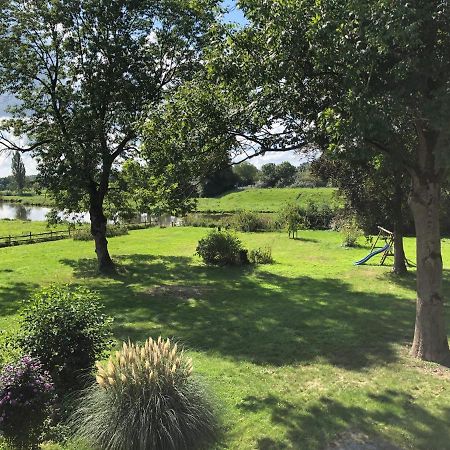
[[146, 397], [26, 395]]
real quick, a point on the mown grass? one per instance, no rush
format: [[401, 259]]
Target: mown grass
[[267, 200], [21, 227], [299, 353]]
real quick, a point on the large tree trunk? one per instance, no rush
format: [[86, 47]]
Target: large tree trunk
[[399, 252], [430, 336], [98, 231], [397, 206]]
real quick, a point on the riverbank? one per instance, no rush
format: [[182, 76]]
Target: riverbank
[[30, 199]]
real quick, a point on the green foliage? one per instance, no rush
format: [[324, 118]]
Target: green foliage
[[206, 220], [246, 173], [221, 248], [261, 255], [318, 217], [293, 218], [218, 183], [351, 232], [247, 221], [26, 397], [86, 73], [67, 330], [146, 398], [312, 216], [375, 188], [10, 350], [306, 178], [84, 234]]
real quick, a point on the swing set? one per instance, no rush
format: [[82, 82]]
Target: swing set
[[386, 250]]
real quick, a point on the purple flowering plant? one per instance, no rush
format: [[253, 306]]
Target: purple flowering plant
[[26, 396]]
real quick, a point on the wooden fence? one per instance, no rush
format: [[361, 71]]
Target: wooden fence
[[30, 238], [33, 238]]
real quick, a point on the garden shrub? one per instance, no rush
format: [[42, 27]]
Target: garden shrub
[[221, 248], [250, 221], [67, 330], [318, 217], [205, 220], [146, 398], [261, 255], [84, 234], [351, 232], [247, 221], [26, 397]]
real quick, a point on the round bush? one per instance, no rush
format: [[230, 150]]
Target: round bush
[[221, 248], [146, 398], [26, 397], [261, 255], [67, 330]]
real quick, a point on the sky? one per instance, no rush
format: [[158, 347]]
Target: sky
[[234, 15]]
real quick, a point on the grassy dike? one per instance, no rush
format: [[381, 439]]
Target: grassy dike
[[267, 200], [253, 199], [302, 353]]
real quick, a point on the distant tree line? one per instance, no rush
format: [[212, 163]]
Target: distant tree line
[[270, 175], [9, 183]]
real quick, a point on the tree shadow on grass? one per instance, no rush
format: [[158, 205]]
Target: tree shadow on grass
[[251, 315], [331, 424], [302, 239], [12, 295]]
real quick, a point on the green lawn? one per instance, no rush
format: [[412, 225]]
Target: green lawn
[[20, 227], [266, 200], [302, 353]]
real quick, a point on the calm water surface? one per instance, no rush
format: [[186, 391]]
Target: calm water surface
[[38, 213], [34, 213]]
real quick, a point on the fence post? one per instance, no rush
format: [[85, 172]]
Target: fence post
[[30, 236], [9, 240]]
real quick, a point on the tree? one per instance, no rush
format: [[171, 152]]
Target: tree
[[218, 183], [85, 74], [377, 191], [285, 173], [269, 176], [246, 173], [18, 171], [346, 77], [369, 76]]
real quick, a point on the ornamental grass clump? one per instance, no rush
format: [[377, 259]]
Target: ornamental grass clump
[[146, 398], [27, 395]]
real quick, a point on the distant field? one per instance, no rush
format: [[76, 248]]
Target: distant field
[[39, 200], [266, 200]]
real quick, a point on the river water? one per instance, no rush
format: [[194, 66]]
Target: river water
[[22, 212], [38, 213]]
